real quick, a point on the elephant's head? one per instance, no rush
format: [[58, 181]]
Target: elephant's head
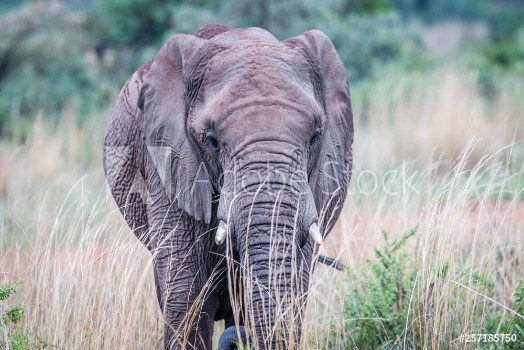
[[258, 136]]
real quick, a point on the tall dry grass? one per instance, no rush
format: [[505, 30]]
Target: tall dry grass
[[440, 156], [433, 116]]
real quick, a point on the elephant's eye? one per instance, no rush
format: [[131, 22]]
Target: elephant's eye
[[317, 135], [211, 141]]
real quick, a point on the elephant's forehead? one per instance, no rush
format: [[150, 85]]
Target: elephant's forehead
[[270, 73], [264, 68], [258, 84]]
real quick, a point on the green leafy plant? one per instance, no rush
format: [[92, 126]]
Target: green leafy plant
[[376, 309], [10, 315], [516, 324], [384, 308], [512, 325], [47, 64]]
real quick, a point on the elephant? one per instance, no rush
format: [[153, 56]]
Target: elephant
[[229, 155]]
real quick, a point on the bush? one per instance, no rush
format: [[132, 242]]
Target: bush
[[46, 63], [366, 37], [120, 23], [9, 317], [387, 308], [498, 59], [514, 324], [366, 44], [376, 310]]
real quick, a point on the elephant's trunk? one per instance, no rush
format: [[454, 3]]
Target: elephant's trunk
[[275, 256]]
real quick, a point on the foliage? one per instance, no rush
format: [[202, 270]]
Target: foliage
[[366, 44], [369, 6], [367, 34], [7, 290], [366, 37], [376, 309], [503, 17], [385, 309], [45, 63], [498, 59], [507, 55], [11, 315], [516, 324], [504, 55], [513, 324], [8, 5], [504, 51], [131, 22]]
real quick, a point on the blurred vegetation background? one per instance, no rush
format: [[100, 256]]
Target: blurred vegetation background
[[73, 54]]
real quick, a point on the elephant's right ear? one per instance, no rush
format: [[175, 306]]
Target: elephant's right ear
[[329, 177], [163, 101]]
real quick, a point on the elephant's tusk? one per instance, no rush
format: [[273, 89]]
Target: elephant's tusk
[[315, 233], [221, 234]]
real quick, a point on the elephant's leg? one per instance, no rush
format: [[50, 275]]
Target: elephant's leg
[[187, 299], [185, 260], [189, 275], [188, 329]]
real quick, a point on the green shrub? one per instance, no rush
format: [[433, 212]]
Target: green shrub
[[376, 309], [498, 59], [367, 44], [366, 37], [514, 324], [9, 317], [120, 23], [46, 63], [385, 309]]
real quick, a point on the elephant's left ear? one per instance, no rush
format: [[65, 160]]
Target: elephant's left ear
[[330, 175]]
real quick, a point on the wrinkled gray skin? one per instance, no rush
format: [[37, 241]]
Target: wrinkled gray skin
[[232, 125]]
